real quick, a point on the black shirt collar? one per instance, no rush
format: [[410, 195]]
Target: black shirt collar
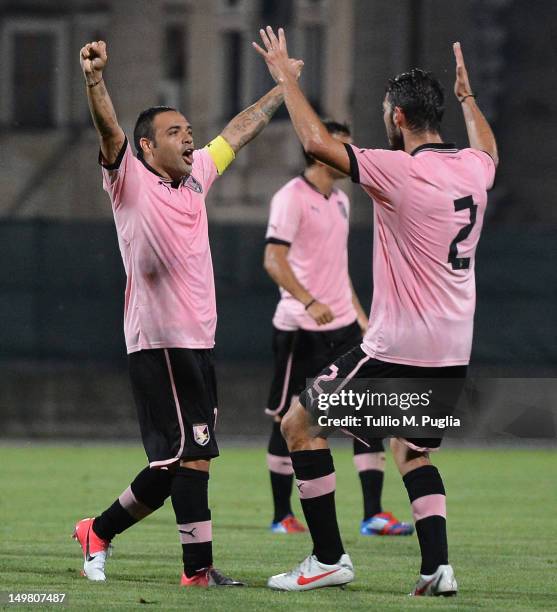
[[447, 147], [172, 183], [304, 177]]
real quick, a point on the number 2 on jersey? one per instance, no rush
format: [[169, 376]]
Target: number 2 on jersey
[[462, 263]]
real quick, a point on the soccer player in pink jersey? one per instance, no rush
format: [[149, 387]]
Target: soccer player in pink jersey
[[318, 319], [429, 200], [158, 202]]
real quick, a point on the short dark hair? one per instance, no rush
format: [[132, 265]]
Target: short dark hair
[[420, 95], [144, 125], [333, 127]]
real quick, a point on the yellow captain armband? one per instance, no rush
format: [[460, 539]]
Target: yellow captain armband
[[221, 153]]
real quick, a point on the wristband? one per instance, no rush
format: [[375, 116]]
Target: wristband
[[471, 95], [94, 84], [310, 303]]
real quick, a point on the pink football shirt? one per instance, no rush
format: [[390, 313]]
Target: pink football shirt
[[316, 228], [163, 238], [428, 214]]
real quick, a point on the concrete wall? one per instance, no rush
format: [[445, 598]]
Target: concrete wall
[[507, 45]]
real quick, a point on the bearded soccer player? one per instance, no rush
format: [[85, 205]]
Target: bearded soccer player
[[318, 319], [429, 200], [158, 202]]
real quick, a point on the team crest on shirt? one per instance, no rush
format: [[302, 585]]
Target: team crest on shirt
[[201, 434], [342, 209], [193, 184]]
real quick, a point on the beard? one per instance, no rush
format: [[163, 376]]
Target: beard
[[394, 135], [396, 140]]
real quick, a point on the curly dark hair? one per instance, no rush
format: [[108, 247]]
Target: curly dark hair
[[420, 95], [144, 125]]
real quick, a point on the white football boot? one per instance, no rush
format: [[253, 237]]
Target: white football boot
[[442, 582], [95, 550], [312, 574]]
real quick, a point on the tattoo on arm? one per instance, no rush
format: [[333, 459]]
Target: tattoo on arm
[[247, 124], [104, 117], [102, 111]]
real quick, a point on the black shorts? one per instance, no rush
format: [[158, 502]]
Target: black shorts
[[175, 392], [302, 354], [356, 364]]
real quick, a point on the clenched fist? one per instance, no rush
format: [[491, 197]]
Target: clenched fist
[[93, 59]]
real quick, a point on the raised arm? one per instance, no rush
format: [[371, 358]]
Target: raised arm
[[246, 125], [480, 134], [93, 59], [277, 267], [315, 139]]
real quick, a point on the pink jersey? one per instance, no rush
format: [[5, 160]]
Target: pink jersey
[[428, 214], [316, 228], [163, 238]]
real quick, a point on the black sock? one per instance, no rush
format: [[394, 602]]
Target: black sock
[[281, 473], [427, 496], [146, 494], [315, 476], [372, 485], [193, 518], [281, 484], [370, 461]]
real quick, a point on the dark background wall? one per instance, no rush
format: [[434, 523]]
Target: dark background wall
[[61, 293]]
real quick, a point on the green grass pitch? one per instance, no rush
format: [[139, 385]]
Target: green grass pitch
[[502, 533]]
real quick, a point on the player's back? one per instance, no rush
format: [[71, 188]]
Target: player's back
[[429, 209]]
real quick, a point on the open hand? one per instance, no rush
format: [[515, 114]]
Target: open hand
[[93, 59], [276, 57], [462, 84]]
